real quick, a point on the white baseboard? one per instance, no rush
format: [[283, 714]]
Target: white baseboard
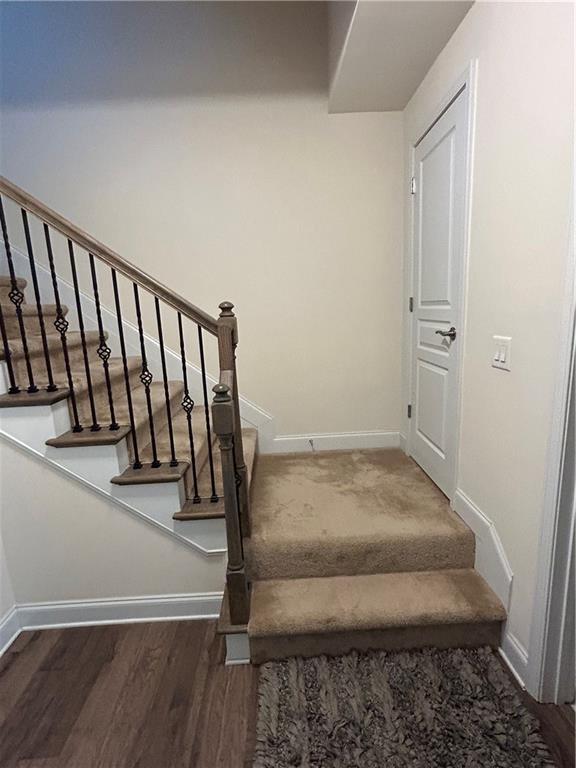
[[237, 649], [403, 442], [73, 613], [515, 656], [332, 441], [9, 629], [491, 560]]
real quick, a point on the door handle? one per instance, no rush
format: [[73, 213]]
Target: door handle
[[451, 334]]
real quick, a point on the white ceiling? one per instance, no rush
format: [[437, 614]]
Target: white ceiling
[[388, 50]]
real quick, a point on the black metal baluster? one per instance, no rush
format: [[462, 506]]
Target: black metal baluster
[[214, 496], [51, 385], [173, 460], [17, 298], [13, 388], [137, 463], [61, 325], [95, 426], [188, 405], [103, 350], [146, 379]]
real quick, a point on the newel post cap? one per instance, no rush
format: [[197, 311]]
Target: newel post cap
[[226, 309], [221, 393]]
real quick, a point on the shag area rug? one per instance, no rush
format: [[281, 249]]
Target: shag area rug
[[417, 709]]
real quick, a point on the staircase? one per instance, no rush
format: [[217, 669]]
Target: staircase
[[105, 400], [105, 374]]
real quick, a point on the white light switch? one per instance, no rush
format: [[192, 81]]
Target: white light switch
[[502, 352]]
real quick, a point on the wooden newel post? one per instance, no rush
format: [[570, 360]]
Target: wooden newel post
[[223, 422], [228, 341]]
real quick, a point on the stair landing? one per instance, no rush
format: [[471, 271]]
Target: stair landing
[[350, 513]]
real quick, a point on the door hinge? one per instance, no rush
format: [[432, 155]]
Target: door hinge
[[409, 411], [413, 185], [411, 303]]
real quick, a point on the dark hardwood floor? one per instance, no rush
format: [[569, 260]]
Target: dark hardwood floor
[[557, 724], [148, 696], [134, 695]]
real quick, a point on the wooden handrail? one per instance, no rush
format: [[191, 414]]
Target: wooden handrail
[[108, 256]]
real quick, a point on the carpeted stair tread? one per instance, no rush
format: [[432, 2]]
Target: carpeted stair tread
[[377, 601], [351, 512]]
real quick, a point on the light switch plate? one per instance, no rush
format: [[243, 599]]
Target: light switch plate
[[502, 355]]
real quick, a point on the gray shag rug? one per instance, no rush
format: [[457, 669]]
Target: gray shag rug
[[416, 709]]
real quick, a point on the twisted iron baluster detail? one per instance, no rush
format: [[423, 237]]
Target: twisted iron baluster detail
[[61, 325], [51, 384], [17, 298], [103, 350], [95, 427], [146, 379], [137, 464], [173, 459], [188, 406]]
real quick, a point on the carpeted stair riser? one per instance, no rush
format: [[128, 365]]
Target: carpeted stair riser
[[159, 413], [6, 287], [30, 319], [100, 390], [182, 445], [307, 559], [264, 649], [38, 362], [334, 615]]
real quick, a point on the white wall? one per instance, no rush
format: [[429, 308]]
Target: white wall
[[518, 260], [195, 140], [64, 542]]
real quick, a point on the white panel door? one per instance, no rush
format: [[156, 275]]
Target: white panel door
[[438, 238]]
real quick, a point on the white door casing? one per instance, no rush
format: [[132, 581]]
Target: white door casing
[[439, 240]]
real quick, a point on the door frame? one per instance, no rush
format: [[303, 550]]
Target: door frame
[[464, 87], [546, 653]]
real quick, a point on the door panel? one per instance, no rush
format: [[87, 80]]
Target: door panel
[[438, 238]]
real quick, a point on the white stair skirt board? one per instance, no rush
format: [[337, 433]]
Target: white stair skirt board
[[237, 649], [252, 415], [72, 613], [94, 463], [491, 560], [332, 441], [94, 466], [35, 424], [493, 565]]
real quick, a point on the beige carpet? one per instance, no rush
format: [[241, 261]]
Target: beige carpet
[[348, 513]]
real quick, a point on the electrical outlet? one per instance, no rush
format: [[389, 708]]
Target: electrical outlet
[[502, 357]]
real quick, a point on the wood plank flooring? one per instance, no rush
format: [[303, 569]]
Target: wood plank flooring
[[151, 695], [557, 724], [126, 696]]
